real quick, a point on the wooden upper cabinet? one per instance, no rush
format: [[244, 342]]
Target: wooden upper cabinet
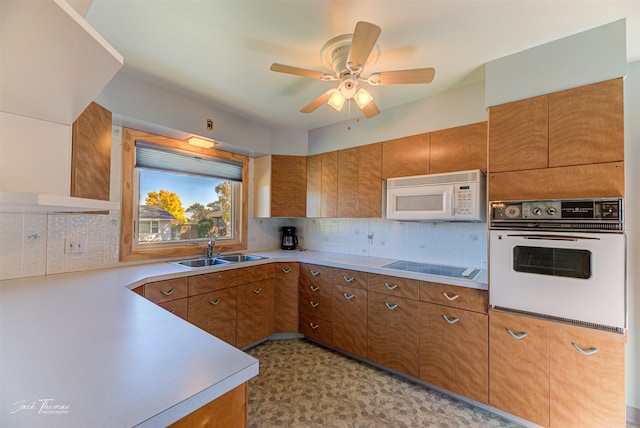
[[280, 186], [586, 124], [406, 156], [370, 180], [329, 180], [314, 185], [459, 149], [519, 135], [91, 154], [348, 182]]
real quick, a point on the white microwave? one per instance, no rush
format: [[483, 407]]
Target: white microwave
[[456, 196]]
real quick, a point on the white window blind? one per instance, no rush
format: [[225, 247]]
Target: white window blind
[[164, 159]]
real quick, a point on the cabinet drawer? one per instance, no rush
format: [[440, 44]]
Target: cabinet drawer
[[177, 307], [288, 272], [316, 305], [350, 278], [163, 291], [319, 290], [315, 274], [316, 328], [252, 274], [208, 282], [394, 286], [457, 297]]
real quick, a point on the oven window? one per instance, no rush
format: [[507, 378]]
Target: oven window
[[552, 261]]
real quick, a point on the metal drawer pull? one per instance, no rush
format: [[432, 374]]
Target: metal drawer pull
[[450, 298], [348, 297], [391, 287], [173, 311], [390, 307], [257, 290], [314, 289], [348, 280], [314, 326], [314, 304], [168, 293], [286, 270], [315, 273], [517, 336], [450, 321], [583, 352], [215, 302]]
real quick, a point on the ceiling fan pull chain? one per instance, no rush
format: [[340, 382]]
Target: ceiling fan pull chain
[[349, 121]]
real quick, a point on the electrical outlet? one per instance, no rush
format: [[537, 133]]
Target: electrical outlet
[[79, 247], [69, 246], [209, 124]]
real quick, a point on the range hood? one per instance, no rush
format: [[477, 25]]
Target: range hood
[[38, 202]]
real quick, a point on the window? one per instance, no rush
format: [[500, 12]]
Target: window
[[177, 197]]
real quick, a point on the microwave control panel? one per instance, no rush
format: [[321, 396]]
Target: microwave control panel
[[465, 201]]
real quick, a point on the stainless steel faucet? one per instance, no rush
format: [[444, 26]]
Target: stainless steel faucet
[[210, 249]]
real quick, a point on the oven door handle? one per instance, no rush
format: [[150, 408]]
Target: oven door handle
[[555, 237]]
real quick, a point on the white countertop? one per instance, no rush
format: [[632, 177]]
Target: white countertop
[[104, 356]]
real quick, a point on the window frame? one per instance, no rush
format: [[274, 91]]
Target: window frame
[[128, 251]]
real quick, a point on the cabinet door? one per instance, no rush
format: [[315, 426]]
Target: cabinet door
[[393, 333], [255, 312], [519, 135], [370, 180], [459, 149], [177, 307], [588, 386], [91, 154], [285, 297], [329, 190], [519, 366], [288, 186], [350, 319], [215, 313], [348, 183], [406, 156], [454, 350], [314, 185], [586, 124]]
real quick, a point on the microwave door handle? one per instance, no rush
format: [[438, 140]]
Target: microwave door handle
[[555, 237]]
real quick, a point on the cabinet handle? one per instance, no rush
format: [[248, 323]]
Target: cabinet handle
[[287, 270], [450, 321], [391, 287], [583, 352], [168, 293], [314, 326], [390, 307], [348, 280], [450, 297], [315, 273], [215, 302], [517, 336], [257, 290], [314, 289], [173, 311], [314, 304], [348, 297]]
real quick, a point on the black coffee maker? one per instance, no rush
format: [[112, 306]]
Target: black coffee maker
[[289, 238]]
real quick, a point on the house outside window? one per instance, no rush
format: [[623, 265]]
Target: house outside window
[[177, 197]]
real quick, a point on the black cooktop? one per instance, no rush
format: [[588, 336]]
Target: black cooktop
[[432, 269]]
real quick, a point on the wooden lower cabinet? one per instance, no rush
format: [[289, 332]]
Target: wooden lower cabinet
[[285, 297], [316, 328], [454, 350], [215, 313], [228, 410], [393, 332], [255, 312], [177, 307], [350, 319]]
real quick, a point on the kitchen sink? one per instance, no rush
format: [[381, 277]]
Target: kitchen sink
[[221, 260]]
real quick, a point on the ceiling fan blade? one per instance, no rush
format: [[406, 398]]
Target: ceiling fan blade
[[370, 110], [364, 39], [297, 71], [418, 75], [317, 102]]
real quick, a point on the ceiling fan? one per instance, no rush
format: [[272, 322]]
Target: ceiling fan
[[347, 56]]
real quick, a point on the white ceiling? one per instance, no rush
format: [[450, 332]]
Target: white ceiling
[[219, 51]]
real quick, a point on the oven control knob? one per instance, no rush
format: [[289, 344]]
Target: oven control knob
[[537, 211], [512, 211], [552, 210]]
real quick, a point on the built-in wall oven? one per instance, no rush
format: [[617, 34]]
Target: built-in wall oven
[[560, 259]]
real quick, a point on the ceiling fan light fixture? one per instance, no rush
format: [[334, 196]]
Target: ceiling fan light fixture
[[336, 100], [201, 142], [362, 98]]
